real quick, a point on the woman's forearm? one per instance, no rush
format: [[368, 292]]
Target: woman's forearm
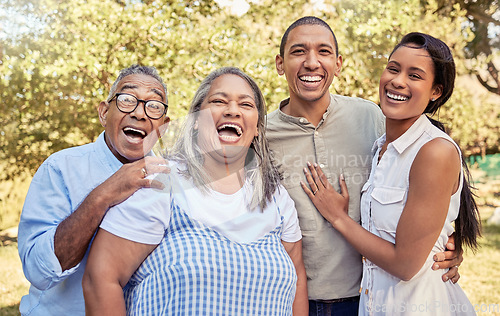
[[301, 301], [379, 251], [112, 261], [103, 297]]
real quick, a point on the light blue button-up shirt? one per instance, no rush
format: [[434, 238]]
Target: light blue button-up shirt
[[59, 186]]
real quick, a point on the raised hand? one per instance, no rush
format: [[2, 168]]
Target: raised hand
[[133, 176]]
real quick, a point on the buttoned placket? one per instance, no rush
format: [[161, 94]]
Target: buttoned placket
[[320, 153], [368, 265], [319, 147]]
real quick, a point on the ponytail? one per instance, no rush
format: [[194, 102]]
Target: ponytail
[[468, 223]]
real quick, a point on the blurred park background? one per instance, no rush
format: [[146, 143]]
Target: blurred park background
[[58, 60]]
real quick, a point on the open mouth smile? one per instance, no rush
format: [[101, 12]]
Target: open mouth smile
[[311, 79], [134, 133], [229, 132], [396, 97]]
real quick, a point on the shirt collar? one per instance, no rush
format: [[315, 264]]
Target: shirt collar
[[378, 143], [302, 120], [105, 155], [288, 118], [412, 134]]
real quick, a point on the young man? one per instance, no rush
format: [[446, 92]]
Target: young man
[[73, 189], [337, 133]]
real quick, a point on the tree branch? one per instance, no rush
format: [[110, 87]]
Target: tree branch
[[481, 16]]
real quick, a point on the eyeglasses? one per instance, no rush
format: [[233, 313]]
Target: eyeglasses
[[127, 103]]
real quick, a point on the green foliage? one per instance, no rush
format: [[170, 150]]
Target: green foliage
[[53, 76], [367, 37], [483, 20], [475, 126]]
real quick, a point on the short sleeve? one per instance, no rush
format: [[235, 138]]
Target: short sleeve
[[291, 228], [143, 217]]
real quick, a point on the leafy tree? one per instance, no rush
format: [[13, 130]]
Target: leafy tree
[[53, 81], [475, 127], [480, 129], [370, 34], [483, 18]]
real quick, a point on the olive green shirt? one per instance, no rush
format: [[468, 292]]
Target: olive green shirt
[[341, 143]]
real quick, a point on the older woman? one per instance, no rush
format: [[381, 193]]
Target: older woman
[[222, 238]]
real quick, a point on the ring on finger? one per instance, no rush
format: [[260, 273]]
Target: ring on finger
[[144, 172], [314, 193]]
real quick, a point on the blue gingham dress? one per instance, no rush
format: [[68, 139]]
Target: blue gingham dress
[[197, 271]]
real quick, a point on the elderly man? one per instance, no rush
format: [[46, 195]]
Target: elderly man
[[73, 189]]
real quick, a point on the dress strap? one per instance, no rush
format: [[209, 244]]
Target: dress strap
[[277, 206]]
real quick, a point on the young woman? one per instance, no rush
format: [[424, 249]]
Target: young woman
[[418, 187], [222, 238]]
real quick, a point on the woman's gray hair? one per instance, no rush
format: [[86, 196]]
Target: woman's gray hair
[[137, 70], [260, 170]]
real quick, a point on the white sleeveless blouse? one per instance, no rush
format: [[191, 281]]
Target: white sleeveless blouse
[[382, 202]]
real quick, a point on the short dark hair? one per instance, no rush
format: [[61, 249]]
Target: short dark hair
[[137, 70], [306, 20], [444, 66]]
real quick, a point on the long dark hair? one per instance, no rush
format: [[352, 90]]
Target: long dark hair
[[467, 224]]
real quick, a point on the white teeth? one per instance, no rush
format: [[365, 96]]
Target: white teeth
[[310, 78], [397, 97], [236, 127], [134, 130], [229, 138]]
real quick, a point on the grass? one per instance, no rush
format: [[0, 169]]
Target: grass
[[13, 285], [480, 275]]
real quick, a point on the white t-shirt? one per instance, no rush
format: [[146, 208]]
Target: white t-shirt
[[145, 216]]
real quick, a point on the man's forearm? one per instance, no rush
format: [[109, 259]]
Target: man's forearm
[[74, 234]]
